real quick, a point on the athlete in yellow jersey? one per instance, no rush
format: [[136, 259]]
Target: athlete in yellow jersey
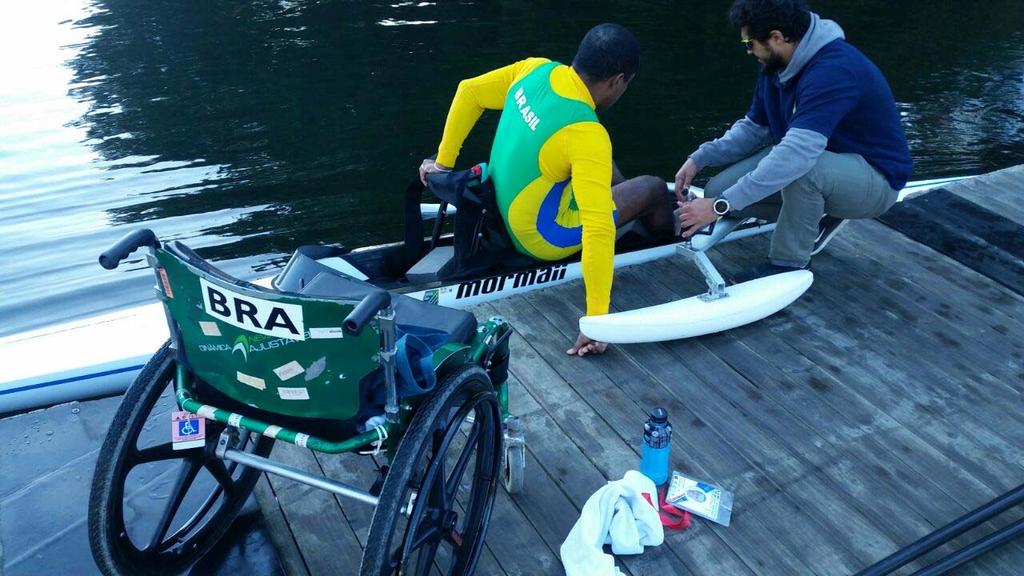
[[551, 161]]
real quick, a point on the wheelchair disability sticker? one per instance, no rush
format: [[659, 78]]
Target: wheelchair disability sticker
[[253, 314], [187, 430]]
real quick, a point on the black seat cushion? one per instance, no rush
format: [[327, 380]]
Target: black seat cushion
[[461, 325]]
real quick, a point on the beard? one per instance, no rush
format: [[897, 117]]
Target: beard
[[773, 65]]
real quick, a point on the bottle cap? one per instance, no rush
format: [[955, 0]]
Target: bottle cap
[[659, 415]]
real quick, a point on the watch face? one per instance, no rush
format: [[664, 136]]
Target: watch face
[[721, 207]]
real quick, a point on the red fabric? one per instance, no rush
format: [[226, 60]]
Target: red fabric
[[671, 517]]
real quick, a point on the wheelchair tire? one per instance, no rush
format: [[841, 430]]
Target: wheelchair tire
[[421, 522], [116, 512]]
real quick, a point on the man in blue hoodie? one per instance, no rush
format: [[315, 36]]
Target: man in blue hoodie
[[822, 137]]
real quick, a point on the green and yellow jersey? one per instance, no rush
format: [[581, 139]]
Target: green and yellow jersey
[[551, 163]]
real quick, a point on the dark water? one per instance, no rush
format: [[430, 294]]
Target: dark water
[[249, 128]]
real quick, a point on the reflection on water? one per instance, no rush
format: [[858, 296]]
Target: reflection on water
[[248, 129]]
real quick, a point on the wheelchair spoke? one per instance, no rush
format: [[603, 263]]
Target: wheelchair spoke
[[425, 558], [194, 520], [155, 453], [452, 486], [425, 536], [222, 475], [438, 493], [184, 482]]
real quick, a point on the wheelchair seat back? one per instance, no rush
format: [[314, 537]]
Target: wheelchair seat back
[[277, 352]]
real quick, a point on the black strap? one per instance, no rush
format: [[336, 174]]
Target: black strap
[[414, 247]]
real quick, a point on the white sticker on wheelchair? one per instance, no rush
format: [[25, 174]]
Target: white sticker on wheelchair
[[289, 370], [301, 440], [234, 420], [253, 381], [322, 333], [209, 328], [272, 431], [293, 393], [208, 412]]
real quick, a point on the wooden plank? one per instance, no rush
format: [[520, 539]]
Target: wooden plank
[[907, 499], [962, 441], [561, 479], [789, 454], [518, 548], [591, 438], [327, 544], [279, 530], [955, 372], [940, 353], [758, 548], [867, 404], [942, 275], [1002, 188], [360, 471], [983, 310], [579, 473]]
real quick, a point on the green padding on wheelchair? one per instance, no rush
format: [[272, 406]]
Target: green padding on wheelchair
[[278, 352]]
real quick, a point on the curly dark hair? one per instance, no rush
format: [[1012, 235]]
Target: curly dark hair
[[760, 17]]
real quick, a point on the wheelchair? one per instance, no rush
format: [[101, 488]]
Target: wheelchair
[[335, 366]]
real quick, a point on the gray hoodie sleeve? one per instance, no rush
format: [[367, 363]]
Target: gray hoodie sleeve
[[793, 157], [741, 140]]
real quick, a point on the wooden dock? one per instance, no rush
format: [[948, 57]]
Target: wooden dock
[[885, 402]]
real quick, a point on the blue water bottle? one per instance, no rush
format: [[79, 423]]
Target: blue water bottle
[[657, 444]]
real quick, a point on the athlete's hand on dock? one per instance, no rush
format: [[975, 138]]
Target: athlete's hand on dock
[[428, 166], [683, 178], [584, 346]]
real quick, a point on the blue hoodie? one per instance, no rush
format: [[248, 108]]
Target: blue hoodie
[[829, 97]]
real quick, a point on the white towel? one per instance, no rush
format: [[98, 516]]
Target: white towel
[[617, 514]]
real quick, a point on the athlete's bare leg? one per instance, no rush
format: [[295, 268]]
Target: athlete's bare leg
[[645, 198]]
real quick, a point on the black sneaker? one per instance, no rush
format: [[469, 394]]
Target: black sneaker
[[827, 229], [762, 270]]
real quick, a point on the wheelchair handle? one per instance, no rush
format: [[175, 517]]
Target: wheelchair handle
[[131, 242], [365, 311]]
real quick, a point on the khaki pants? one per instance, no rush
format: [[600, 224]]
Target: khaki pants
[[840, 185]]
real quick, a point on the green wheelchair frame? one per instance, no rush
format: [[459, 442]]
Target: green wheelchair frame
[[244, 357]]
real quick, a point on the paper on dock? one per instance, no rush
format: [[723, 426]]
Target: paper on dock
[[700, 498]]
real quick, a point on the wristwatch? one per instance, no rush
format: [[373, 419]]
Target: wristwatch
[[721, 206]]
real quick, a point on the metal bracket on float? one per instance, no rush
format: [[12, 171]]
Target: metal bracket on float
[[714, 280]]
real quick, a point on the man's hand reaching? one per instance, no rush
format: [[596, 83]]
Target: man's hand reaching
[[684, 176], [696, 214]]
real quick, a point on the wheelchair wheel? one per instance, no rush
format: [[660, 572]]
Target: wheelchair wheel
[[152, 509], [436, 501]]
